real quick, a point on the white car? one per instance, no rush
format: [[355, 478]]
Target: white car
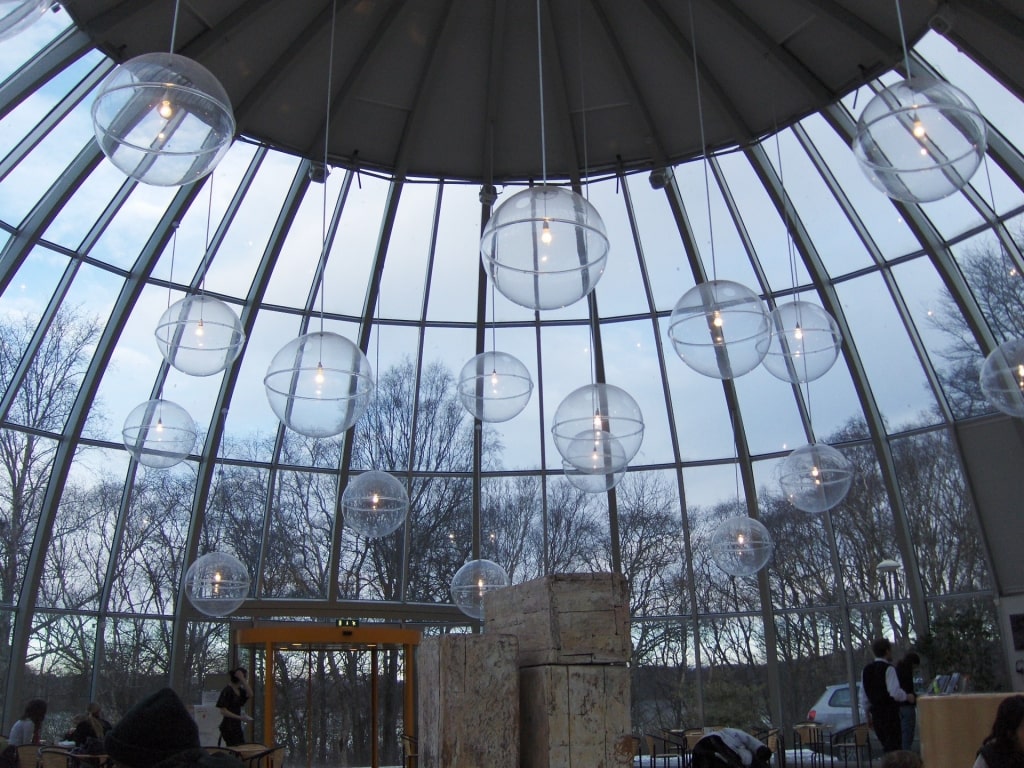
[[833, 709]]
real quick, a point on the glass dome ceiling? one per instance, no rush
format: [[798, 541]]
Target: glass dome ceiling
[[95, 546]]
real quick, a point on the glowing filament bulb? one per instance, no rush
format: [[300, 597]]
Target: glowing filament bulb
[[494, 379], [159, 425], [166, 109], [375, 500], [319, 377], [741, 540], [798, 333], [597, 420], [545, 233], [1020, 375], [918, 130], [200, 329], [717, 319]]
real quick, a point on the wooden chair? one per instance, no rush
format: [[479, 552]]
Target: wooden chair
[[220, 751], [55, 757], [271, 757], [28, 755], [411, 750], [775, 741], [855, 742], [658, 752], [811, 738]]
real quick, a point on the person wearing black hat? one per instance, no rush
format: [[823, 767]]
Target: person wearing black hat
[[159, 732], [230, 702]]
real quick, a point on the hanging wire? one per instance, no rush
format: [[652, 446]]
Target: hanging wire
[[540, 80], [903, 38], [327, 135], [174, 24], [174, 248], [703, 143], [583, 100], [206, 240]]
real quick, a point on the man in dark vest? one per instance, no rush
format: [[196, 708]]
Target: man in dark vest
[[881, 696]]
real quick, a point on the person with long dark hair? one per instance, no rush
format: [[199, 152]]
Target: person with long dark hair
[[230, 702], [27, 729], [1004, 746]]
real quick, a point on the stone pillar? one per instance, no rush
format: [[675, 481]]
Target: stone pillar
[[468, 701], [574, 643]]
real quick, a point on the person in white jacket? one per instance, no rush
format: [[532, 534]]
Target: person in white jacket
[[730, 747]]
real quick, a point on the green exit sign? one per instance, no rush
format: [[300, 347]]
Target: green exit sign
[[348, 622]]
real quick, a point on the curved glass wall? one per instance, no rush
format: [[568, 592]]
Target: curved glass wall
[[94, 545]]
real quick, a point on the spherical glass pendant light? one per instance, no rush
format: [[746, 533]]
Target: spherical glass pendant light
[[159, 433], [590, 482], [603, 414], [719, 329], [803, 344], [741, 546], [474, 580], [217, 583], [163, 119], [920, 140], [319, 384], [16, 15], [374, 504], [199, 335], [494, 386], [596, 452], [1002, 377], [815, 477], [545, 247]]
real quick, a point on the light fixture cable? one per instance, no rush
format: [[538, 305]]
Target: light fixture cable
[[703, 142]]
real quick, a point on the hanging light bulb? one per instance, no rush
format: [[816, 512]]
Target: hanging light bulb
[[815, 477], [920, 140], [545, 247], [319, 384], [719, 328], [163, 119], [741, 546], [159, 433], [199, 335], [217, 584], [494, 386], [1002, 377], [803, 343], [375, 504], [592, 482], [473, 581], [601, 420]]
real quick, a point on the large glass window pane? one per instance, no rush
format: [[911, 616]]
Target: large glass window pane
[[664, 693], [663, 253], [721, 250], [766, 228], [890, 360], [239, 254], [877, 212], [834, 238], [734, 648], [621, 288], [355, 247], [148, 568], [45, 165], [297, 551], [405, 265], [454, 282], [950, 555], [945, 333]]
